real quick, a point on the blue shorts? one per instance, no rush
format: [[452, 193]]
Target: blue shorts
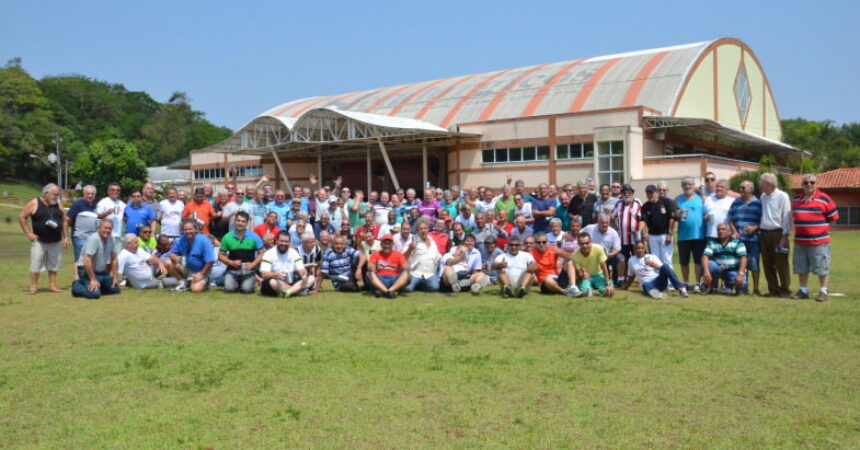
[[387, 280], [753, 252]]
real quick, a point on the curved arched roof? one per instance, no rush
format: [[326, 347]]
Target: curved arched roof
[[653, 78]]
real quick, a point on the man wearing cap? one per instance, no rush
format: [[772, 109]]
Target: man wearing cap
[[387, 271], [628, 214], [813, 211], [199, 210], [658, 215]]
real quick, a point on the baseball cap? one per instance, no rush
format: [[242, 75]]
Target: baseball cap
[[627, 187], [387, 237]]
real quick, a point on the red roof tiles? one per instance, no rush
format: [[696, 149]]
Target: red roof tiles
[[846, 178]]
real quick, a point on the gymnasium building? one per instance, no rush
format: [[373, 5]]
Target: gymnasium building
[[637, 117]]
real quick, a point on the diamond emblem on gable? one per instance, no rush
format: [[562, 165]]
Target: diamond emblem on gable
[[742, 93]]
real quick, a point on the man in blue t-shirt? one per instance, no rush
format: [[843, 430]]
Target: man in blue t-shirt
[[281, 208], [690, 212], [191, 259], [137, 214], [543, 209], [744, 220]]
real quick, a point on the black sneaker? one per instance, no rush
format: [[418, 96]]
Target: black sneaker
[[506, 292], [377, 294], [521, 292], [800, 295], [391, 294]]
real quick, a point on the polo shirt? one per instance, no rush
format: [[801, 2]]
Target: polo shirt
[[258, 210], [264, 229], [202, 212], [609, 241], [117, 207], [137, 217], [244, 248], [718, 210], [546, 263], [583, 207], [812, 218], [605, 206], [726, 256], [334, 263], [429, 209], [542, 223], [508, 206], [657, 215], [356, 218], [388, 265], [171, 217], [287, 262], [592, 262], [197, 253], [470, 264], [746, 214], [101, 252], [147, 245]]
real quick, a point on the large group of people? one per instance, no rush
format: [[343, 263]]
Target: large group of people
[[573, 240]]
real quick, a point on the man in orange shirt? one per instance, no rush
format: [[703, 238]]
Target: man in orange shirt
[[387, 270], [200, 209], [550, 278]]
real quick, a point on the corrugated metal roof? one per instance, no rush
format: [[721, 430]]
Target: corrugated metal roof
[[651, 78], [846, 178]]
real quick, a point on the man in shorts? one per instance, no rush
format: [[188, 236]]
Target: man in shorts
[[461, 267], [590, 263], [549, 277], [516, 270], [283, 270], [191, 258], [387, 270], [813, 212]]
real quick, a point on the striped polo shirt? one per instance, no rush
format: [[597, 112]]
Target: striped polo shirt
[[628, 217], [726, 256], [744, 214], [812, 218]]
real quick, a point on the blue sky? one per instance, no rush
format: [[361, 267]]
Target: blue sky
[[238, 59]]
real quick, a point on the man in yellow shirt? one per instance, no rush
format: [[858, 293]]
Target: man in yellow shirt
[[591, 269]]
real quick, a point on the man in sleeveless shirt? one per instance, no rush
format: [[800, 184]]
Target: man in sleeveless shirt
[[45, 233]]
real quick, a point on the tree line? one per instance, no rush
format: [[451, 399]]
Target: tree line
[[94, 120]]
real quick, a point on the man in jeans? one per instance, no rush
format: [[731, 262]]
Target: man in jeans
[[423, 256], [654, 275], [725, 259], [98, 265], [744, 219], [775, 229], [242, 252]]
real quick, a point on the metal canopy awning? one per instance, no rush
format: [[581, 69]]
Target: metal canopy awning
[[712, 129], [331, 133]]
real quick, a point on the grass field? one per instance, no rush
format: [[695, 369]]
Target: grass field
[[162, 370], [18, 188]]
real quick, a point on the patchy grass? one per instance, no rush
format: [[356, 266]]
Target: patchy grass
[[156, 369], [18, 188]]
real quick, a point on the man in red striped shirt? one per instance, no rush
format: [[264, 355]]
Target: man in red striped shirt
[[628, 213], [812, 212]]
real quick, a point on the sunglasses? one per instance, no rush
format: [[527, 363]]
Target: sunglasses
[[514, 245], [809, 183], [710, 179], [540, 242]]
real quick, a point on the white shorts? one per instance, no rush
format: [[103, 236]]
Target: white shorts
[[45, 256]]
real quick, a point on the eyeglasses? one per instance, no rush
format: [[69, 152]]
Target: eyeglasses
[[809, 183], [513, 245], [540, 242], [710, 179]]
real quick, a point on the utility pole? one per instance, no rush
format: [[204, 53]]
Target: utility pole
[[58, 140]]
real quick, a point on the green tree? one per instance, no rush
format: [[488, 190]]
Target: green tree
[[111, 160], [831, 146], [26, 121]]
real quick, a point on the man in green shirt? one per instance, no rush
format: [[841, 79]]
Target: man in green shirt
[[505, 202], [241, 251]]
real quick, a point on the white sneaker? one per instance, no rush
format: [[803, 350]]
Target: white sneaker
[[697, 289], [573, 291], [654, 293], [181, 287], [683, 293], [589, 293], [476, 288]]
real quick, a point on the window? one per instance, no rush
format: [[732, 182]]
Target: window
[[610, 162], [515, 154], [848, 215], [579, 150], [208, 174], [250, 171], [742, 93]]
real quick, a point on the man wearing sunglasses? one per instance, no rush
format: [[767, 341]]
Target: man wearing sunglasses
[[549, 277], [813, 211], [515, 269]]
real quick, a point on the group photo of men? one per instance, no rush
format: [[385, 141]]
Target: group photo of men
[[576, 240]]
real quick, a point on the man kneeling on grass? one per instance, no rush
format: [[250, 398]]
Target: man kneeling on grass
[[515, 269], [241, 252], [725, 259], [590, 263], [97, 268], [283, 270], [549, 277], [462, 267], [654, 275], [191, 258], [387, 271], [140, 268]]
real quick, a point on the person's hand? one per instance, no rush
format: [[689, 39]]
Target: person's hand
[[510, 177], [32, 236], [707, 279], [161, 269], [739, 280], [783, 242], [610, 291], [338, 180], [198, 277], [67, 242], [236, 263], [668, 239], [115, 282], [502, 264], [313, 179], [93, 285], [371, 267], [749, 229], [358, 275], [736, 236]]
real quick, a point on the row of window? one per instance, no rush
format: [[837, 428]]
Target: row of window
[[610, 156], [218, 173]]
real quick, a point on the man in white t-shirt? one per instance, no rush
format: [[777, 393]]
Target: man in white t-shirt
[[601, 233], [139, 267], [461, 267], [283, 270], [516, 270], [238, 204], [170, 215], [654, 276], [717, 208], [113, 209]]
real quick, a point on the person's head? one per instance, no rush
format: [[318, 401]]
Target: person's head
[[207, 190], [272, 218], [189, 229], [488, 195], [163, 244], [555, 225], [639, 249], [105, 228], [469, 242], [575, 226], [306, 192], [688, 185], [199, 195], [296, 204], [455, 191], [722, 188], [439, 192], [663, 189], [280, 196], [242, 219], [368, 234], [396, 200], [808, 182], [146, 232], [410, 195], [373, 196], [439, 225], [414, 214], [651, 193], [584, 241], [384, 198], [541, 241], [423, 228], [473, 193], [182, 196], [308, 240], [339, 244], [148, 191], [171, 194], [604, 192], [747, 189], [345, 193], [490, 244], [239, 195], [387, 244], [592, 185], [392, 217], [114, 191], [506, 190], [250, 190], [458, 229], [603, 222], [130, 242], [324, 219], [710, 180], [501, 217], [514, 245], [723, 231], [627, 193], [282, 240], [89, 193], [519, 201], [406, 229], [529, 243], [466, 211], [136, 198], [443, 213], [322, 195], [582, 188], [563, 198], [568, 189], [480, 220], [231, 189], [268, 240], [553, 190], [767, 182], [325, 238], [368, 217], [297, 191], [615, 189], [520, 221], [543, 190], [301, 224], [520, 186], [50, 193], [345, 228]]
